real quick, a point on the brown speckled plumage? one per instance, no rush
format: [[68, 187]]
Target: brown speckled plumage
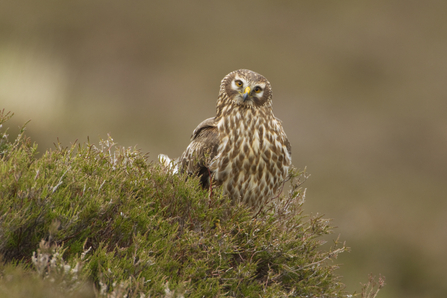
[[244, 147]]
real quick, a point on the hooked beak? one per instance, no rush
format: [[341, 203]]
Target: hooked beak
[[246, 93]]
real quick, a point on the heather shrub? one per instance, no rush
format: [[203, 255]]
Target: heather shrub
[[103, 221]]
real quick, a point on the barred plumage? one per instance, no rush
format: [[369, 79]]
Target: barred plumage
[[244, 147]]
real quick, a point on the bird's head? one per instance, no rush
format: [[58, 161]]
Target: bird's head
[[246, 88]]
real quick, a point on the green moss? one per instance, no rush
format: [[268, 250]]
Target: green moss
[[131, 227]]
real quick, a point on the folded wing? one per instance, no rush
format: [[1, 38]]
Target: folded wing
[[202, 149]]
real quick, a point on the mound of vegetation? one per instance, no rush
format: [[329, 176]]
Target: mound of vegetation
[[103, 221]]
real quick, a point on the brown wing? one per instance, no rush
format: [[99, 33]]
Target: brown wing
[[201, 150]]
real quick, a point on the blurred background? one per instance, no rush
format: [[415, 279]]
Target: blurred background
[[361, 88]]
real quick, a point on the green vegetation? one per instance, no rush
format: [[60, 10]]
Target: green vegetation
[[102, 221]]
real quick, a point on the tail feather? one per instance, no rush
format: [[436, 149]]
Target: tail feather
[[168, 163]]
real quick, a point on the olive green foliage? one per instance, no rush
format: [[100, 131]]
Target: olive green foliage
[[102, 221]]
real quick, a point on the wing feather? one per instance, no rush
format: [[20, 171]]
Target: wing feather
[[201, 150]]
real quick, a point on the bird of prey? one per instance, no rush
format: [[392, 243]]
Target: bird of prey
[[244, 147]]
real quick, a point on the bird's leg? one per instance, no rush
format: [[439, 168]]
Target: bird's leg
[[210, 193]]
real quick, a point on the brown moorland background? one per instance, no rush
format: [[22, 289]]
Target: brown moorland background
[[361, 88]]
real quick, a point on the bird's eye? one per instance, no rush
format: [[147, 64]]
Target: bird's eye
[[238, 83], [257, 89]]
